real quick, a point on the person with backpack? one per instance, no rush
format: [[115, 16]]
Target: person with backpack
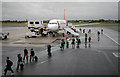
[[25, 55], [8, 66], [19, 62], [32, 54]]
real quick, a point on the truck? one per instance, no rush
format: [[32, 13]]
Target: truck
[[35, 24], [36, 28]]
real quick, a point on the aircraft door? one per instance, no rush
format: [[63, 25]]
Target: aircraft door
[[58, 24]]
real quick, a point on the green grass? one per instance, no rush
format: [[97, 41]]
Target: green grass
[[14, 24], [79, 23], [25, 24], [100, 24]]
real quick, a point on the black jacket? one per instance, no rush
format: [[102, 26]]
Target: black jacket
[[32, 53], [9, 63], [25, 51]]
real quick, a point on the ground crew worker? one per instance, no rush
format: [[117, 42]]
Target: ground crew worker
[[41, 31], [8, 66]]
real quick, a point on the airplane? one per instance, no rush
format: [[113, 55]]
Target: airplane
[[57, 25]]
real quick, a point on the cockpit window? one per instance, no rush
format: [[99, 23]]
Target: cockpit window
[[52, 23]]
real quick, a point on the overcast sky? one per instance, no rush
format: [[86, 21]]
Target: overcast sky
[[55, 10], [60, 0]]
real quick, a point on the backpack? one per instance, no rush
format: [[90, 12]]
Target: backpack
[[36, 58], [11, 63]]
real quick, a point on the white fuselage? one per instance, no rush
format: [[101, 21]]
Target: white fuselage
[[55, 25]]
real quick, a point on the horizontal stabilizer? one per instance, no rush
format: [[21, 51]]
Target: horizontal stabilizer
[[71, 31]]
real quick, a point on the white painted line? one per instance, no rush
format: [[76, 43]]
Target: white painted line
[[43, 61], [116, 54], [111, 39]]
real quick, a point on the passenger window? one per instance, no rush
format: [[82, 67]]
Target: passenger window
[[36, 22], [31, 22]]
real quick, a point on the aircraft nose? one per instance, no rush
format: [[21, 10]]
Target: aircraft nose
[[52, 27]]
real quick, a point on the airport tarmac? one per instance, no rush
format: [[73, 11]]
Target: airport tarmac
[[17, 38], [99, 58]]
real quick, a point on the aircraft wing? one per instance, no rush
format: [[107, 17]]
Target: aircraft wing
[[86, 24], [71, 31]]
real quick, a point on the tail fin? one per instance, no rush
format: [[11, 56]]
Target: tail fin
[[64, 15]]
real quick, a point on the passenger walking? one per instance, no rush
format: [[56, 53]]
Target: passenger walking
[[89, 39], [49, 50], [80, 29], [73, 43], [32, 54], [19, 62], [78, 42], [83, 30], [89, 31], [62, 44], [25, 55], [8, 66], [101, 31], [85, 37], [67, 44], [98, 35], [67, 38]]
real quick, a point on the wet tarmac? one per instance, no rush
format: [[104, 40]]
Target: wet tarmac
[[96, 58]]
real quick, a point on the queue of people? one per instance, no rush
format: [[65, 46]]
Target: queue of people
[[21, 61]]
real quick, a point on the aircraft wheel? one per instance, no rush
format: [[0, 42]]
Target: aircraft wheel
[[5, 37], [53, 35]]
